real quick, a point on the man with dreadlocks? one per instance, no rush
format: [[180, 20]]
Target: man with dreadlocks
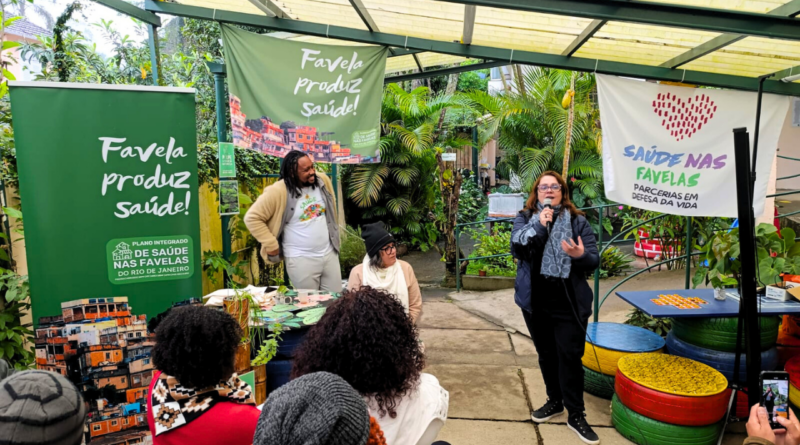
[[295, 220]]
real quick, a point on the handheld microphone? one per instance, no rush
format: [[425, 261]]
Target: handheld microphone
[[548, 205]]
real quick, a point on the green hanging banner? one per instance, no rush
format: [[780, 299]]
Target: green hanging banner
[[227, 160], [286, 95], [109, 195]]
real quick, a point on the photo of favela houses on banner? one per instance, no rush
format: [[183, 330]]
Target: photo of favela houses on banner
[[105, 348], [324, 100]]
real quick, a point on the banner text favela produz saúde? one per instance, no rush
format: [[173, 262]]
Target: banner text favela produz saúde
[[669, 149], [289, 95], [109, 194]]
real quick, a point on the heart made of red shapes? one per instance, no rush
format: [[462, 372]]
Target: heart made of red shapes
[[684, 117]]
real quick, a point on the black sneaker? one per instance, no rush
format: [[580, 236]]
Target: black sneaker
[[578, 423], [548, 411]]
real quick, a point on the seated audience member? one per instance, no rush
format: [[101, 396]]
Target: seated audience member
[[382, 270], [759, 432], [40, 407], [195, 398], [316, 409], [366, 338]]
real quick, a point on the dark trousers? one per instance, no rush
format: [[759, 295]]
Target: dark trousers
[[560, 342]]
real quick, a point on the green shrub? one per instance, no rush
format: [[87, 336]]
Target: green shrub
[[614, 262], [352, 251], [660, 326], [488, 244]]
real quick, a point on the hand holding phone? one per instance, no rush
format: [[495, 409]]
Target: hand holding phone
[[758, 424], [775, 396]]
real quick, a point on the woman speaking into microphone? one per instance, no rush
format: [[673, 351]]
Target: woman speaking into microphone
[[556, 249]]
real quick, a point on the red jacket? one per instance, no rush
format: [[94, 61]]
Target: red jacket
[[226, 422]]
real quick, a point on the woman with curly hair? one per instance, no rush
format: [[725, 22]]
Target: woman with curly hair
[[195, 397], [367, 339]]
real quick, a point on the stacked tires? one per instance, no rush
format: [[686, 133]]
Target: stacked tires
[[793, 368], [788, 339], [712, 341], [609, 343], [665, 400]]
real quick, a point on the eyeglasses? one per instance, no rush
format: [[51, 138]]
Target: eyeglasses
[[554, 187], [389, 248]]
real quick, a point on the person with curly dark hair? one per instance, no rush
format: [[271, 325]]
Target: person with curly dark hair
[[367, 339], [195, 396]]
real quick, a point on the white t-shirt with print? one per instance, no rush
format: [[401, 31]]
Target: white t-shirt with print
[[306, 234]]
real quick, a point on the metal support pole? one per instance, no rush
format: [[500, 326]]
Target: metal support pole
[[757, 130], [747, 283], [155, 53], [597, 271], [222, 136], [458, 263], [335, 183], [475, 156], [688, 251]]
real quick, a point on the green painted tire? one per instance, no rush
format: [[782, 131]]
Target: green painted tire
[[632, 426], [719, 334], [597, 384]]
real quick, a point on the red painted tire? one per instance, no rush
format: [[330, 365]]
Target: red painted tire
[[669, 408], [793, 368], [741, 409], [786, 353]]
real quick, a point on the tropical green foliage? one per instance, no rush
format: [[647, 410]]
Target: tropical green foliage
[[489, 244], [473, 205], [660, 326], [776, 253], [401, 190], [532, 129], [352, 251], [614, 262]]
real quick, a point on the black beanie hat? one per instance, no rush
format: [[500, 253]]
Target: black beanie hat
[[375, 237]]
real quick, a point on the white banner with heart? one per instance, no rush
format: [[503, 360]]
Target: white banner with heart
[[670, 149]]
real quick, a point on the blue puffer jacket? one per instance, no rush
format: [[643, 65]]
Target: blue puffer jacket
[[528, 239]]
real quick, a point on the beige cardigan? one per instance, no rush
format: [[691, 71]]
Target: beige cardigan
[[414, 294], [265, 218]]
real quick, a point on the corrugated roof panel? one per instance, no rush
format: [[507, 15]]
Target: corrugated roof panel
[[418, 18], [333, 12], [525, 30], [760, 6], [738, 64], [629, 52]]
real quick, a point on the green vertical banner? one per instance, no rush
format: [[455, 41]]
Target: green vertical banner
[[324, 100], [109, 191], [227, 160]]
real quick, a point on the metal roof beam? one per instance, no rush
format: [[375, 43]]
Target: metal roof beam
[[362, 12], [132, 11], [271, 9], [419, 64], [790, 9], [584, 37], [660, 14], [476, 51], [469, 24], [444, 71]]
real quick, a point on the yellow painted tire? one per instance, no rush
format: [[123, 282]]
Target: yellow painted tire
[[607, 359], [794, 395]]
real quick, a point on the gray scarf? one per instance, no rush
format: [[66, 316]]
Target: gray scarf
[[555, 262]]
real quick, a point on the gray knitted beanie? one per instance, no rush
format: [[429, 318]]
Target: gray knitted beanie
[[315, 409], [39, 407]]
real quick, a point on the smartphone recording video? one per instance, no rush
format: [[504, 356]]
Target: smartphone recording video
[[775, 396]]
